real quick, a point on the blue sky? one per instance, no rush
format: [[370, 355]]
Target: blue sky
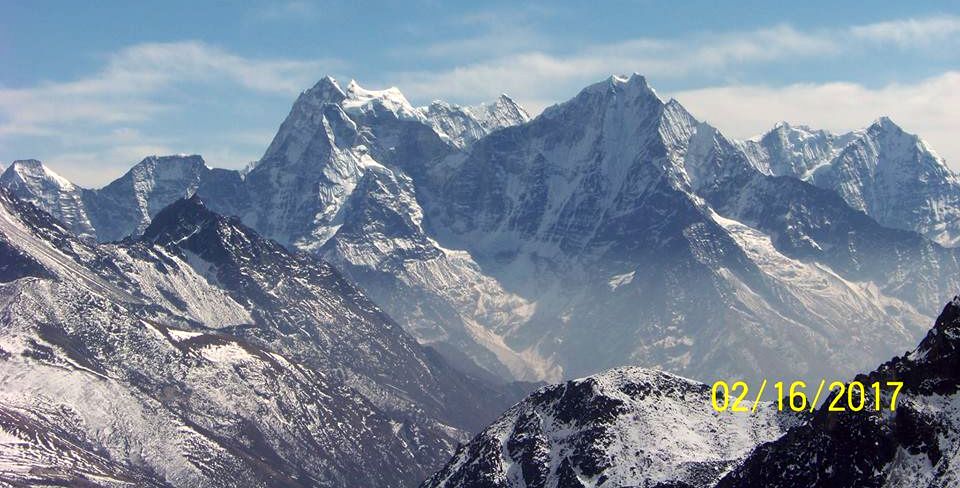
[[93, 87]]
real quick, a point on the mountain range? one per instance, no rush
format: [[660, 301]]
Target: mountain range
[[201, 354], [586, 238], [358, 302]]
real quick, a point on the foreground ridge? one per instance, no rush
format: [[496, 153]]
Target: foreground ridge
[[637, 427], [205, 355], [915, 446], [624, 427]]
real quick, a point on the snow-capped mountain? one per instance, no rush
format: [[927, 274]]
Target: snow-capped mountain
[[624, 427], [635, 427], [916, 445], [34, 182], [618, 216], [586, 238], [891, 175], [299, 295], [793, 150], [441, 295], [339, 178], [333, 136], [466, 125], [296, 195], [205, 355], [125, 206], [310, 168]]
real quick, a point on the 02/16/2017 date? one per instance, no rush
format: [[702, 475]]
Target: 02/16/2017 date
[[853, 396]]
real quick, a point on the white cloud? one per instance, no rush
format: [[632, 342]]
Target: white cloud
[[535, 76], [910, 32], [126, 90], [161, 63], [532, 75], [140, 83], [89, 126], [485, 34], [927, 108]]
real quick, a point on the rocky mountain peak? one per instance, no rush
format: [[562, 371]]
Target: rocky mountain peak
[[611, 428], [184, 160], [32, 181], [327, 90], [626, 102], [943, 340], [635, 80], [464, 125], [502, 112], [627, 88], [306, 118], [885, 151], [361, 100], [125, 206], [179, 220], [180, 170], [885, 123], [796, 132], [507, 105], [884, 131], [792, 149], [27, 164], [615, 91], [32, 169]]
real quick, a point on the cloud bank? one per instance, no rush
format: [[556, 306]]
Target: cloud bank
[[101, 123]]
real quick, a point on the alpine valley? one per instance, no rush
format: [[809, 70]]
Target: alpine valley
[[632, 427], [387, 279]]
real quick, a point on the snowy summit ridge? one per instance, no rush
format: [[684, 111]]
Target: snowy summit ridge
[[891, 175], [505, 239]]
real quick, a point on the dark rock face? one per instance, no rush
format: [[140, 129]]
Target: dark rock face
[[16, 264], [913, 446], [248, 267]]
